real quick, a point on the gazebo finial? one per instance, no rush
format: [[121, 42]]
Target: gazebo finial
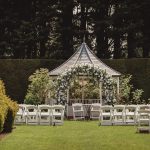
[[84, 38]]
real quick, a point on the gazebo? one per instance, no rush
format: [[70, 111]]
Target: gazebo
[[84, 56]]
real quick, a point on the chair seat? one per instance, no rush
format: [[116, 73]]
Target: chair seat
[[56, 114], [95, 110], [106, 114], [44, 114], [31, 113], [19, 114], [144, 119], [78, 110], [130, 114], [118, 114]]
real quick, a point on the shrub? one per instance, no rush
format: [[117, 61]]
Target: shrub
[[128, 94], [3, 113], [137, 96], [8, 110], [39, 87], [3, 106]]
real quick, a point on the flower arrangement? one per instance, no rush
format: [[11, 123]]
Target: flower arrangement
[[95, 74]]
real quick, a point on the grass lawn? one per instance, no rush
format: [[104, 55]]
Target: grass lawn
[[75, 135]]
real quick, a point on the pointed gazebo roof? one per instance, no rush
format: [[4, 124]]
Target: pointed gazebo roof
[[83, 55]]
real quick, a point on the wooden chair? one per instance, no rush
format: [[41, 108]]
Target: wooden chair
[[118, 115], [130, 114], [45, 114], [31, 114], [143, 119], [106, 115], [78, 111], [20, 117], [58, 115], [95, 111]]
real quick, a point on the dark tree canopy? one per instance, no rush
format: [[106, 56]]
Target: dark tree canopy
[[54, 28]]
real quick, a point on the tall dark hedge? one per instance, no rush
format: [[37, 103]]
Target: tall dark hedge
[[15, 73]]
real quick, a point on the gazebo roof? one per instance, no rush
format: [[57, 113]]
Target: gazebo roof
[[83, 56]]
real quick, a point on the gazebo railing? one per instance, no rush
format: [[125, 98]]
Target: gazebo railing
[[84, 101]]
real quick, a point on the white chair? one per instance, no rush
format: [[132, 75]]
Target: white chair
[[31, 114], [95, 111], [58, 115], [143, 119], [19, 118], [118, 115], [45, 114], [130, 114], [141, 109], [78, 111], [106, 115]]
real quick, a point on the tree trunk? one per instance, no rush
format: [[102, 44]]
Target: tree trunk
[[117, 36], [42, 49], [67, 35], [101, 30], [131, 44], [146, 29], [117, 47], [83, 21]]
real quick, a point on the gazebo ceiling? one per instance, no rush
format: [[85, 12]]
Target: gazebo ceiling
[[83, 56]]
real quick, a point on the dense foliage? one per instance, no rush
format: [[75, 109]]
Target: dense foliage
[[39, 87], [53, 29], [8, 110]]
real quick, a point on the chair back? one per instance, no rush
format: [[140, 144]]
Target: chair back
[[95, 107], [106, 109], [144, 107], [58, 109], [44, 109], [21, 110], [130, 108], [77, 107], [31, 109], [119, 108]]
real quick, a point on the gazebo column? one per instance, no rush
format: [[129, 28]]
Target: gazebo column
[[117, 85], [67, 102], [100, 91], [82, 91]]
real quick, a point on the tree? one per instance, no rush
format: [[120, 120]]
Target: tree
[[39, 87], [145, 11], [101, 27], [66, 28], [53, 29]]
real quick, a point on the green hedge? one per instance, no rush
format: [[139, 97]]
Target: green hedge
[[15, 73]]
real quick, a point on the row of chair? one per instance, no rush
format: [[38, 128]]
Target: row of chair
[[121, 115], [41, 114], [114, 115]]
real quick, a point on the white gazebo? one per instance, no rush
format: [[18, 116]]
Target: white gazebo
[[84, 56]]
